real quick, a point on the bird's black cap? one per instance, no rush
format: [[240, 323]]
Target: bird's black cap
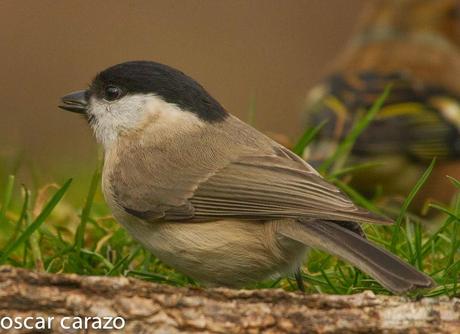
[[171, 85]]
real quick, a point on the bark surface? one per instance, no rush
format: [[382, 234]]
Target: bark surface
[[154, 308]]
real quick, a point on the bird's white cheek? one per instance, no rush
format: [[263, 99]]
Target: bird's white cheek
[[149, 113], [102, 121], [110, 118]]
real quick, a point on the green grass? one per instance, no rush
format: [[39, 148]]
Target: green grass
[[42, 229]]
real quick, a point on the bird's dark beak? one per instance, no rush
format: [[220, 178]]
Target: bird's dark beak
[[75, 102]]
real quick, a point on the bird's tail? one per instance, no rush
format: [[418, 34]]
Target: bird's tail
[[390, 271]]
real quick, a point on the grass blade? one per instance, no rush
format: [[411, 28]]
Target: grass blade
[[454, 181], [252, 111], [444, 210], [408, 201], [353, 169], [307, 138], [124, 262], [343, 150], [36, 223], [23, 215], [7, 198], [80, 234]]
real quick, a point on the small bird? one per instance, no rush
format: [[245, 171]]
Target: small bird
[[210, 195], [415, 46]]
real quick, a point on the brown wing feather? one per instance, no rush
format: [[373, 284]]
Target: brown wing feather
[[270, 187]]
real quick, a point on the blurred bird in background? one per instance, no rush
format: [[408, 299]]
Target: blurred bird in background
[[414, 45]]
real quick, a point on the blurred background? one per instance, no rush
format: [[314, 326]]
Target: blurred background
[[265, 54]]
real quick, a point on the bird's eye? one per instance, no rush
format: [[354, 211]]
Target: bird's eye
[[112, 93]]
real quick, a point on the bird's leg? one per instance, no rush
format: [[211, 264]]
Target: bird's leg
[[299, 280]]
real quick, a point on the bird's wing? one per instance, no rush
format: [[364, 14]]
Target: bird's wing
[[266, 187], [257, 187], [416, 120]]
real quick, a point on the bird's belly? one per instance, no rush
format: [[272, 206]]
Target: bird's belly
[[222, 253]]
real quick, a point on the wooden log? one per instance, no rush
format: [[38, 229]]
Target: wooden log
[[153, 308]]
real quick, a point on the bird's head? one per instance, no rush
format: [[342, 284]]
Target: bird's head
[[131, 96]]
